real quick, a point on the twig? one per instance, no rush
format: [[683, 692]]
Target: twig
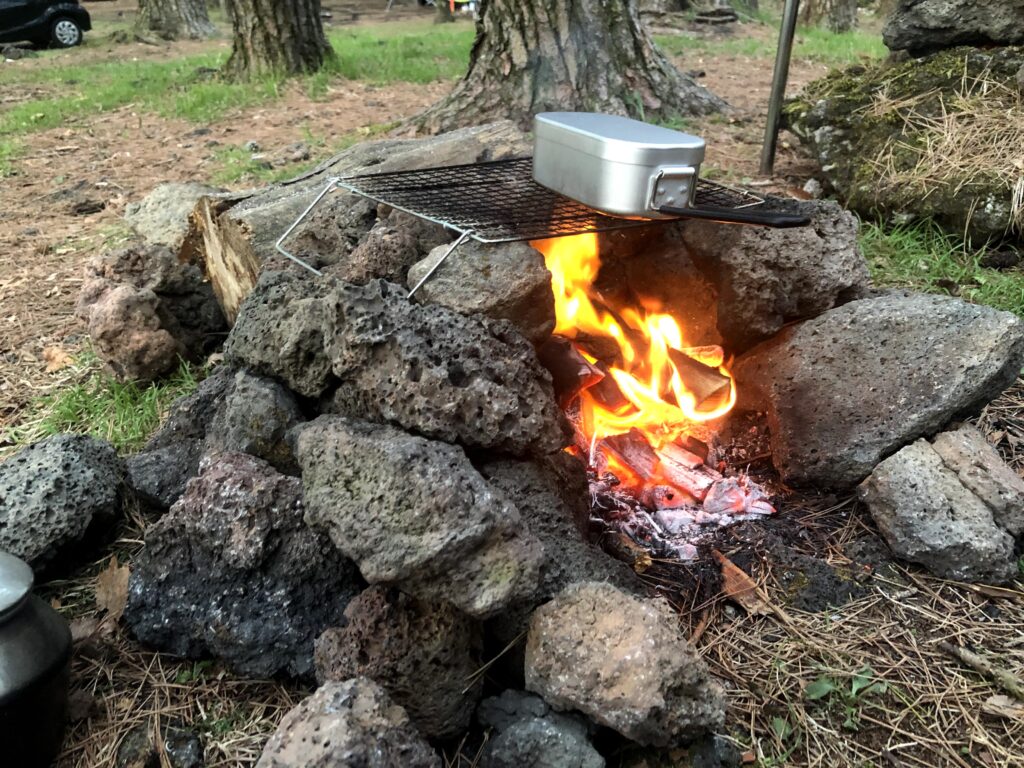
[[1007, 680]]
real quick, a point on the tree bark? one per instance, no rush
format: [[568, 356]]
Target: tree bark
[[174, 19], [839, 15], [276, 37], [547, 55]]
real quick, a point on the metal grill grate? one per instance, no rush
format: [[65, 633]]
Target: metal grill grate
[[500, 202]]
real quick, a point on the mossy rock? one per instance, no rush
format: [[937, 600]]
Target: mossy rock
[[875, 131]]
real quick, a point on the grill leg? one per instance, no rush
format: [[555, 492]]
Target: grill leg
[[440, 261], [331, 183]]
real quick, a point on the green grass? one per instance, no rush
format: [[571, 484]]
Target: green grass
[[925, 258], [125, 414], [812, 44], [191, 88]]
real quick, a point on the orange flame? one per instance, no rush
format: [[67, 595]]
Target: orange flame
[[658, 402]]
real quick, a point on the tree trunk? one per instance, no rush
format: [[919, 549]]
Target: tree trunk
[[839, 15], [174, 19], [444, 12], [546, 55], [275, 36]]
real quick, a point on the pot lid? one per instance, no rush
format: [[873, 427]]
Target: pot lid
[[16, 580]]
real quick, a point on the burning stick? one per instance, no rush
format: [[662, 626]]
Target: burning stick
[[570, 371], [709, 386]]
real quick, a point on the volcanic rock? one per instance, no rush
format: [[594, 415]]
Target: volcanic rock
[[255, 417], [552, 495], [57, 492], [930, 516], [848, 388], [424, 367], [765, 278], [352, 723], [423, 653], [529, 733], [190, 416], [920, 26], [159, 477], [180, 747], [161, 217], [232, 571], [624, 662], [504, 281], [414, 513], [146, 310]]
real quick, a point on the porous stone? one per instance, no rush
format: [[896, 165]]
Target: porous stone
[[180, 747], [927, 515], [162, 216], [920, 26], [234, 572], [159, 477], [552, 495], [351, 723], [765, 278], [56, 493], [190, 416], [146, 310], [527, 732], [256, 416], [504, 281], [982, 471], [414, 513], [424, 653], [375, 355], [848, 388], [624, 662]]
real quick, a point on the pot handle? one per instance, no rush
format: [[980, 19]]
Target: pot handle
[[774, 219]]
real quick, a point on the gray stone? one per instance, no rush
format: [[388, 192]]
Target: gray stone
[[928, 516], [159, 477], [352, 723], [766, 278], [424, 653], [624, 662], [504, 281], [848, 388], [529, 733], [424, 367], [552, 495], [256, 415], [162, 216], [414, 513], [180, 747], [56, 493], [233, 571], [190, 416], [927, 25], [146, 309], [982, 471]]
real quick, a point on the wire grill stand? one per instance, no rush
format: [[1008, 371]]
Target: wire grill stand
[[495, 202]]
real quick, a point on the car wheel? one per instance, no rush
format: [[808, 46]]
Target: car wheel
[[65, 33]]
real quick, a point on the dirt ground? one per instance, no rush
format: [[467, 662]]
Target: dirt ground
[[71, 187]]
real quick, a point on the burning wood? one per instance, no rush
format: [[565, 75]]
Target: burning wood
[[570, 371], [710, 387]]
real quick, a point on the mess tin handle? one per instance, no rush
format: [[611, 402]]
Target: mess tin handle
[[773, 219]]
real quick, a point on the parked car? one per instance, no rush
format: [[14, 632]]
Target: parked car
[[54, 22]]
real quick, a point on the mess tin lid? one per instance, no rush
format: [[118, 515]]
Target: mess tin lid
[[16, 580], [618, 139]]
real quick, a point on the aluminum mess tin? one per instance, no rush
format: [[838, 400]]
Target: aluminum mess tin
[[616, 165]]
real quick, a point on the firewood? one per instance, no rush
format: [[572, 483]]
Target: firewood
[[606, 391], [570, 371], [710, 387], [623, 548], [694, 480], [633, 450]]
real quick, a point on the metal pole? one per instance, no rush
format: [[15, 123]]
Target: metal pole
[[779, 77]]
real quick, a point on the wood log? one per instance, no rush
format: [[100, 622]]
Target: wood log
[[570, 371], [710, 387], [694, 480], [235, 234], [633, 450]]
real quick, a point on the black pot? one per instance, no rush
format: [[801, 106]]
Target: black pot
[[35, 656]]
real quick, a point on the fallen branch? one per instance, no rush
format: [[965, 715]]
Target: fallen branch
[[1008, 681]]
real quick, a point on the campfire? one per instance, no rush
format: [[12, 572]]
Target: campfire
[[645, 407]]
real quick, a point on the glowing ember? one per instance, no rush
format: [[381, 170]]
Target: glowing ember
[[666, 384]]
